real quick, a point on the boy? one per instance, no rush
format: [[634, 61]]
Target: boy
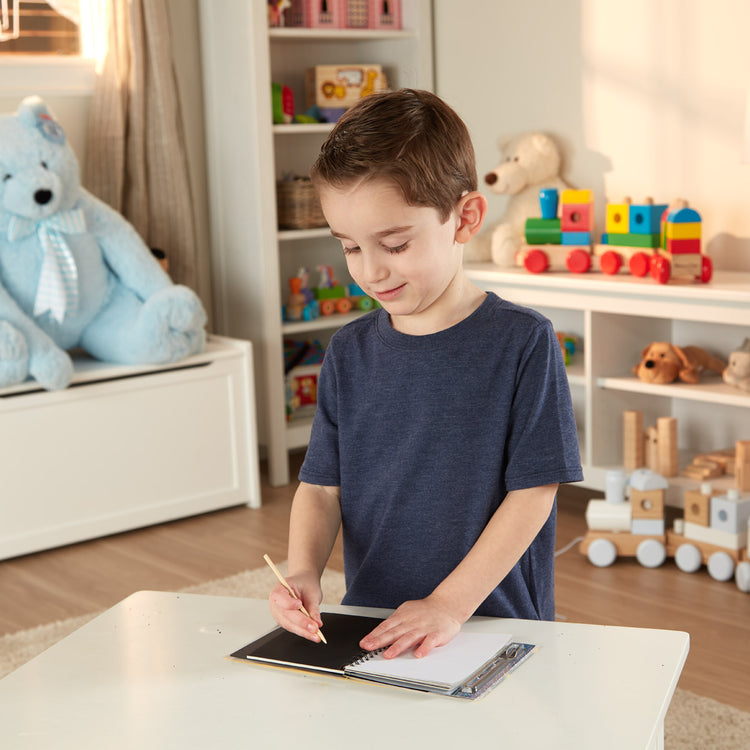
[[444, 420]]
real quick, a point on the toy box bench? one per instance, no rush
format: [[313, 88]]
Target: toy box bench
[[127, 446]]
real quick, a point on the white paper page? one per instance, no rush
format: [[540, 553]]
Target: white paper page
[[446, 665]]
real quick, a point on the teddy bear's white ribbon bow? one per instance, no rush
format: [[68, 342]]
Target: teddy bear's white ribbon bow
[[57, 290]]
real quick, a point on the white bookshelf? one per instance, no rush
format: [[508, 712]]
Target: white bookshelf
[[615, 317], [247, 153]]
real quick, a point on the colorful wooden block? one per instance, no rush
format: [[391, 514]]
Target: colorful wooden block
[[575, 238], [621, 239], [542, 231], [577, 196], [683, 215], [683, 247], [617, 218], [577, 217], [646, 218], [688, 231]]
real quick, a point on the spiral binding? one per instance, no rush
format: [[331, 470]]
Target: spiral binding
[[365, 656]]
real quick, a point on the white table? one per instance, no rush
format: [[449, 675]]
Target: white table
[[151, 673]]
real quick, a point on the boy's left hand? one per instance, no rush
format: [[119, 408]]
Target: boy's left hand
[[423, 624]]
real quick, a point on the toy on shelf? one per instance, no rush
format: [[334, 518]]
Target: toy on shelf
[[531, 161], [568, 345], [657, 239], [713, 530], [328, 298], [335, 88], [559, 243], [662, 362], [737, 371], [336, 14], [302, 360]]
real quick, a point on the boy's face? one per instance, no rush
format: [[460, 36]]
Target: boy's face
[[401, 255]]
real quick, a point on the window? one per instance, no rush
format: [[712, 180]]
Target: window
[[35, 27]]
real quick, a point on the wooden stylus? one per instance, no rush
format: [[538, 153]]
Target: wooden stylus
[[283, 582]]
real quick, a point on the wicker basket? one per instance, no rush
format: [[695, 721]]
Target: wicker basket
[[297, 204]]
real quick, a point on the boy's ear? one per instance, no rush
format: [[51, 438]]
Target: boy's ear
[[470, 210]]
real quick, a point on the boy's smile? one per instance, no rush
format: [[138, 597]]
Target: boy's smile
[[401, 255]]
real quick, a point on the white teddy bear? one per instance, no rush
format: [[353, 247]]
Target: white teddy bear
[[532, 161], [737, 372]]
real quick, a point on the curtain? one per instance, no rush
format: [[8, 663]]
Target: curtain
[[136, 158]]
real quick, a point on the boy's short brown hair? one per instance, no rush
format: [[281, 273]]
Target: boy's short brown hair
[[408, 136]]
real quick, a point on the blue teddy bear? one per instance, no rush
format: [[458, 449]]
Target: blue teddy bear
[[74, 272]]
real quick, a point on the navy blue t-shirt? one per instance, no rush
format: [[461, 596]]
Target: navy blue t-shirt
[[425, 435]]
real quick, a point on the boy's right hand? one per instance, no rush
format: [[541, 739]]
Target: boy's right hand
[[286, 609]]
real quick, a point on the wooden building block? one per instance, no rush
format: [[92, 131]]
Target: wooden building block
[[626, 544], [729, 540], [687, 231], [742, 465], [617, 219], [651, 448], [683, 247], [604, 516], [647, 503], [666, 428], [646, 218], [577, 217], [698, 507], [648, 526], [633, 447]]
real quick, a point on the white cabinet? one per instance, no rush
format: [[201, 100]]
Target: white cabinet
[[127, 446], [615, 317], [252, 260]]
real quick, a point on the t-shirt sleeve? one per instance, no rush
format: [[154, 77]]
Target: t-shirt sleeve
[[321, 465], [542, 444]]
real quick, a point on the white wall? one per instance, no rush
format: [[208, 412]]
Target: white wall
[[647, 97]]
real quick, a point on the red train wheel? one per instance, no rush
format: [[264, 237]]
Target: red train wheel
[[578, 261], [610, 262], [535, 261], [660, 269], [707, 269], [639, 264]]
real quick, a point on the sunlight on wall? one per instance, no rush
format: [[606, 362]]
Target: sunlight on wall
[[663, 96]]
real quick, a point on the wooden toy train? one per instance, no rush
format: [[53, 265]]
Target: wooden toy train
[[657, 239], [713, 530]]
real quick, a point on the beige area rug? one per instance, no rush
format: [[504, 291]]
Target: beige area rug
[[692, 723]]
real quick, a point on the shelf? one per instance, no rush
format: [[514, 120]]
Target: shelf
[[338, 35], [714, 391], [292, 235], [324, 322], [303, 128]]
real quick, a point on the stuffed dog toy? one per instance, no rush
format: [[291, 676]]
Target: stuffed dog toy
[[662, 362]]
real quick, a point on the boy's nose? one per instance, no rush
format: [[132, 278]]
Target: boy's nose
[[373, 267]]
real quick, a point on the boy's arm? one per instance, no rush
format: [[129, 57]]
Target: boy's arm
[[313, 526], [435, 620]]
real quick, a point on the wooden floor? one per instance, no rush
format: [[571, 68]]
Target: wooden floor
[[87, 577]]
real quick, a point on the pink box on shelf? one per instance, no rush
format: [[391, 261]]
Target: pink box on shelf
[[384, 14], [317, 14]]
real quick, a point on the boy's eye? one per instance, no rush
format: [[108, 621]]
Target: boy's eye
[[398, 249], [350, 250]]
